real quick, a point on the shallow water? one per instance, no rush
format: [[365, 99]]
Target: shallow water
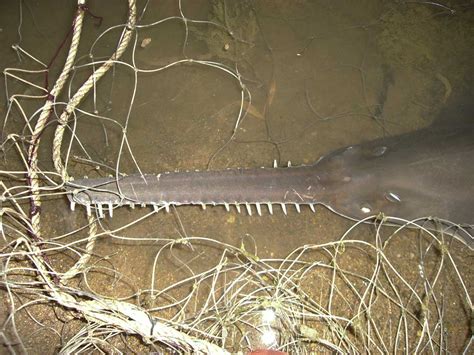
[[322, 75]]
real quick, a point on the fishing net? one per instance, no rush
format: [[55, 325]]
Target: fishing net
[[111, 88]]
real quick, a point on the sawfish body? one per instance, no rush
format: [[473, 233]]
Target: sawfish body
[[426, 173]]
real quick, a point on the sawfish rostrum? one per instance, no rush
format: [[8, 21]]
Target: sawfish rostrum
[[427, 173]]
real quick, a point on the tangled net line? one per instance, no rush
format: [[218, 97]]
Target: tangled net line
[[372, 309]]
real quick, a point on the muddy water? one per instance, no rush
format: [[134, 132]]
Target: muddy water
[[322, 75]]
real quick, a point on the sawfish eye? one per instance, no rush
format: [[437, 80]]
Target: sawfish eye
[[392, 197], [379, 151]]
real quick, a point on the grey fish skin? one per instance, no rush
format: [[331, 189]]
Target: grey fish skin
[[429, 172], [301, 185], [426, 173]]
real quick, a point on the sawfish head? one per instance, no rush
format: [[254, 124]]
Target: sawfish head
[[426, 173], [359, 183]]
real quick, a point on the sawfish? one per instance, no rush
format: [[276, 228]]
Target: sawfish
[[426, 173]]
